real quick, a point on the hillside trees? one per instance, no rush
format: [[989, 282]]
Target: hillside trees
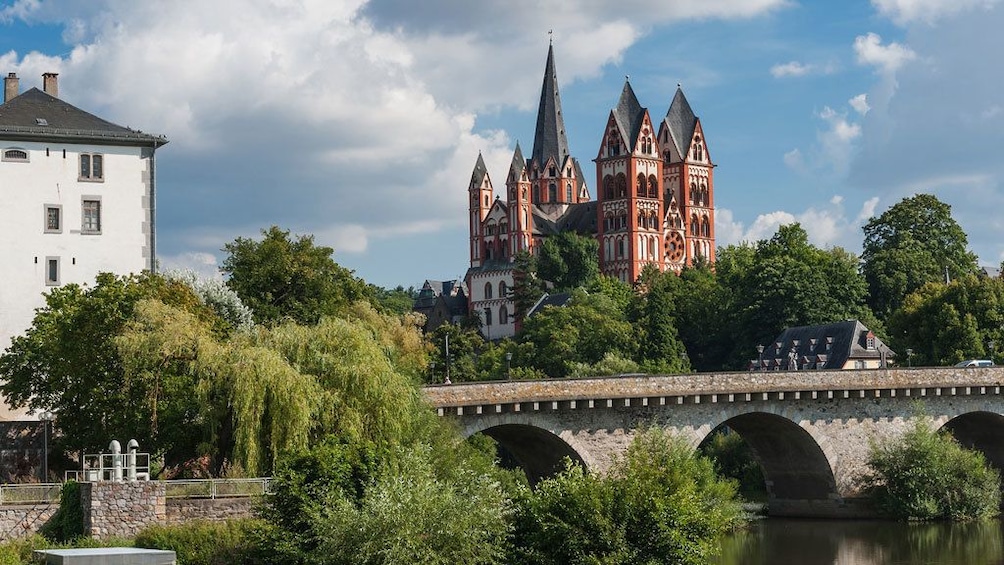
[[568, 260], [914, 242]]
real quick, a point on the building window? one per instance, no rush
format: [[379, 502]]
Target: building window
[[503, 316], [92, 167], [52, 271], [488, 290], [91, 216], [552, 192], [15, 155], [568, 192], [488, 316], [503, 290], [53, 218]]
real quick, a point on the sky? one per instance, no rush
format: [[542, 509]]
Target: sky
[[360, 121]]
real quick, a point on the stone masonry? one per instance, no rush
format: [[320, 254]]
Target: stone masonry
[[114, 509], [810, 430]]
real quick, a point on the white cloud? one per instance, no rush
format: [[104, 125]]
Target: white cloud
[[794, 160], [790, 69], [860, 104], [886, 58], [904, 12], [205, 264], [826, 226]]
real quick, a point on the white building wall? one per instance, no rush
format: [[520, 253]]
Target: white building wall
[[479, 302], [121, 247]]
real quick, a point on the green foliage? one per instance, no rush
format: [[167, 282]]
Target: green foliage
[[20, 551], [568, 260], [734, 460], [527, 288], [945, 324], [397, 300], [661, 503], [914, 242], [68, 362], [611, 364], [215, 294], [410, 515], [584, 330], [661, 350], [926, 475], [282, 278], [67, 523], [205, 543]]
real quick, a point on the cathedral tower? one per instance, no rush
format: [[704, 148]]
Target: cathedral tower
[[518, 201], [480, 201]]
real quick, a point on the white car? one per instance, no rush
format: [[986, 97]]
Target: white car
[[975, 363]]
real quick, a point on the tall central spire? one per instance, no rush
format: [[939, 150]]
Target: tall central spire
[[549, 139]]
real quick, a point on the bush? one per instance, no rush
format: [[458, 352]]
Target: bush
[[204, 543], [926, 475], [661, 503], [68, 522], [734, 460]]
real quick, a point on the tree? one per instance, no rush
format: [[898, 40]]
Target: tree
[[914, 242], [926, 475], [527, 288], [283, 278], [944, 324], [68, 362], [568, 260], [661, 349]]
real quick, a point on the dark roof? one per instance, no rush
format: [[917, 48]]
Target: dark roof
[[556, 300], [542, 225], [580, 218], [518, 163], [681, 121], [480, 170], [629, 115], [431, 290], [35, 115], [549, 138], [848, 342], [491, 265], [579, 177]]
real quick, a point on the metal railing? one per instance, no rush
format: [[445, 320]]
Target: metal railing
[[30, 493], [217, 488], [112, 467]]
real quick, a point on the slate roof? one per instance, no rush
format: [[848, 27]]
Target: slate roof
[[556, 300], [35, 115], [629, 115], [518, 163], [549, 138], [480, 170], [491, 265], [681, 121], [848, 342], [580, 218]]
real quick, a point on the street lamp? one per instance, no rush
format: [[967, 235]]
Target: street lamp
[[909, 355], [432, 372], [990, 348], [508, 363], [45, 417], [759, 352]]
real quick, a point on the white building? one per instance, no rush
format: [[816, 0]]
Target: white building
[[79, 194]]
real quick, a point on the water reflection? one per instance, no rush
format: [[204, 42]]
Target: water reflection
[[824, 542]]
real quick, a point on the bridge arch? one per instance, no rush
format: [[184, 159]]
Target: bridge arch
[[538, 445], [982, 431], [792, 459]]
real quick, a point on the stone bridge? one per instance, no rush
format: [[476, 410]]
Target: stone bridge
[[809, 430]]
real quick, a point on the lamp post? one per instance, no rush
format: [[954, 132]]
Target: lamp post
[[432, 372], [508, 364], [45, 417], [909, 355], [990, 348], [759, 352]]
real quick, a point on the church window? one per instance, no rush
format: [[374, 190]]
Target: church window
[[503, 290], [536, 194], [620, 248], [503, 316], [608, 187], [486, 200], [15, 155], [693, 192], [488, 316], [694, 225], [621, 185], [552, 171], [488, 290], [568, 172], [653, 187], [641, 185], [568, 192], [552, 192]]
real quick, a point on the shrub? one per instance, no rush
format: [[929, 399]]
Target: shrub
[[204, 543], [68, 521], [734, 460], [926, 475], [661, 503]]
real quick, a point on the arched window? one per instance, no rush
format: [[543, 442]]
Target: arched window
[[536, 194], [621, 249], [503, 315], [488, 316], [552, 192], [503, 290], [608, 187], [705, 227], [568, 192], [641, 184], [621, 185], [16, 155], [486, 200], [693, 193], [488, 290], [653, 187], [695, 225]]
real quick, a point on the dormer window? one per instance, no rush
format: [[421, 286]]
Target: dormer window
[[15, 155], [552, 171], [870, 341]]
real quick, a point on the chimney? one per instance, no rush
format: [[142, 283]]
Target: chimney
[[50, 85], [10, 87]]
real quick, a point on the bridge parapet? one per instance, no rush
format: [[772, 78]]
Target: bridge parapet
[[695, 388]]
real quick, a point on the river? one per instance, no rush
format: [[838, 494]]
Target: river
[[779, 541]]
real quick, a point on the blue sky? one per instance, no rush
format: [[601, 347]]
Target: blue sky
[[359, 122]]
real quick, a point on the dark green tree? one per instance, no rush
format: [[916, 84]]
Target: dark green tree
[[527, 287], [280, 277], [914, 242], [568, 260], [944, 324], [661, 350]]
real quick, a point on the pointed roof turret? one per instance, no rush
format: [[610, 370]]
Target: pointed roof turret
[[478, 176], [681, 121], [549, 138], [629, 114], [518, 163]]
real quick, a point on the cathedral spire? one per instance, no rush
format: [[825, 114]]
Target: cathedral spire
[[549, 138]]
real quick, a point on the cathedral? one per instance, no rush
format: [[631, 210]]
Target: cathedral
[[654, 199]]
